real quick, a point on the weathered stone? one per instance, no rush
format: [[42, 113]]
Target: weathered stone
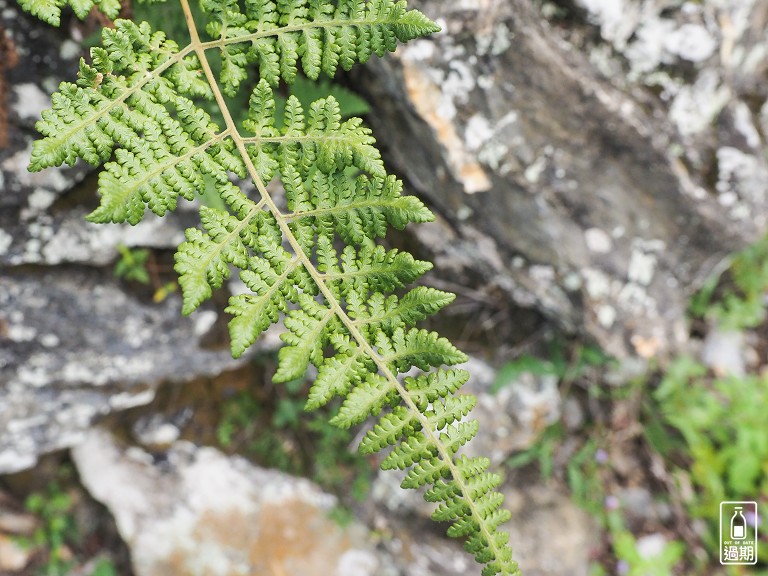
[[640, 508], [551, 536], [513, 417], [197, 511], [75, 344], [14, 557], [560, 178], [17, 523], [723, 352], [75, 347], [651, 546], [417, 552]]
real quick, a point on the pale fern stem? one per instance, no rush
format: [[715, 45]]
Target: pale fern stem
[[445, 455]]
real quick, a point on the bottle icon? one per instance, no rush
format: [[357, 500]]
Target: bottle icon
[[738, 524]]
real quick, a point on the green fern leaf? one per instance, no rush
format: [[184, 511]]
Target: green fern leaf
[[387, 313], [50, 10], [450, 409], [318, 139], [355, 209], [365, 399], [430, 387], [388, 431], [337, 376], [274, 278], [305, 339], [418, 348], [277, 37], [253, 314], [469, 467], [202, 262], [370, 268], [412, 449], [426, 472], [126, 103], [456, 436]]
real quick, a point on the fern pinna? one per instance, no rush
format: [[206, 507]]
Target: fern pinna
[[316, 263]]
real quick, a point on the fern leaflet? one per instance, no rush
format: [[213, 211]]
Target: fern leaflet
[[50, 10], [317, 264]]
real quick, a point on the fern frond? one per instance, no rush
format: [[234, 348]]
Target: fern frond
[[426, 472], [430, 387], [273, 279], [368, 398], [476, 517], [337, 376], [318, 264], [413, 448], [449, 410], [306, 337], [389, 312], [371, 267], [202, 262]]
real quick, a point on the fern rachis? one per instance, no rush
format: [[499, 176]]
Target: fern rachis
[[135, 108]]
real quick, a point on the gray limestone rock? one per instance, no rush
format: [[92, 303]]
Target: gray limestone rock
[[596, 177], [551, 536], [512, 418], [198, 511], [75, 344], [74, 347]]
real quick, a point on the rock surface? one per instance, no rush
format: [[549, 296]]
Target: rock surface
[[551, 536], [75, 344], [75, 347], [192, 510], [513, 417], [197, 511], [596, 167]]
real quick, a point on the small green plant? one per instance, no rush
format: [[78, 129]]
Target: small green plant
[[583, 472], [631, 560], [724, 432], [567, 365], [542, 452], [132, 265], [57, 530], [737, 299], [104, 567]]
